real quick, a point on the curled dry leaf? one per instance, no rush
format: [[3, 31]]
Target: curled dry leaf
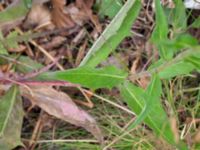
[[61, 106]]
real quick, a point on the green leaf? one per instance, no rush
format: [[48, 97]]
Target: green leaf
[[196, 23], [161, 29], [160, 32], [195, 60], [151, 97], [118, 29], [182, 64], [89, 77], [179, 68], [181, 41], [3, 51], [178, 16], [147, 106], [28, 3], [27, 64], [10, 41], [13, 13], [109, 7], [11, 117], [137, 100]]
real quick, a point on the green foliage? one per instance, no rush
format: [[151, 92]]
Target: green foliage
[[195, 60], [9, 41], [13, 13], [178, 16], [151, 97], [179, 42], [28, 3], [11, 117], [154, 115], [178, 55], [2, 48], [160, 32], [118, 29], [176, 69], [89, 77], [109, 7], [196, 23], [29, 65]]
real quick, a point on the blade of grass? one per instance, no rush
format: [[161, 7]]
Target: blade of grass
[[148, 108], [161, 30], [152, 96]]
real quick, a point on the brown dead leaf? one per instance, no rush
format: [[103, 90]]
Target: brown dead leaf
[[62, 16], [174, 128], [85, 7], [82, 3], [20, 48], [196, 138], [61, 106], [38, 16], [135, 65], [81, 53], [59, 18], [168, 3], [78, 16], [144, 82]]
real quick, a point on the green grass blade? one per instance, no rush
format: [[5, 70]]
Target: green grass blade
[[11, 118], [118, 29], [152, 97], [89, 77], [161, 30], [154, 115], [136, 102], [179, 17]]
